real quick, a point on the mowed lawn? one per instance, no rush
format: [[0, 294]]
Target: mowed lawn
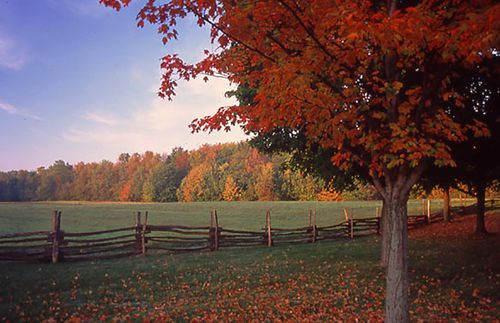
[[454, 277], [85, 216]]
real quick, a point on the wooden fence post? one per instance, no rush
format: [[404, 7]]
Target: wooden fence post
[[143, 233], [138, 230], [211, 231], [428, 210], [137, 219], [56, 235], [314, 229], [346, 217], [352, 225], [268, 227], [312, 225], [216, 231]]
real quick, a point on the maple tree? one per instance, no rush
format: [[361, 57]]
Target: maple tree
[[364, 77]]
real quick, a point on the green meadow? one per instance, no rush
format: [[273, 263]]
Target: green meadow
[[453, 278], [85, 216]]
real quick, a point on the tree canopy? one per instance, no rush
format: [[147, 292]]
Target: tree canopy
[[231, 171], [476, 167], [374, 80], [364, 77]]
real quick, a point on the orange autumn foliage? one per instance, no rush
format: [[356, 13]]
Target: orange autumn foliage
[[329, 194], [322, 63], [371, 80], [125, 192]]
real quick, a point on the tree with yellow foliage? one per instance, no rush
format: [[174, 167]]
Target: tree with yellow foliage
[[231, 190]]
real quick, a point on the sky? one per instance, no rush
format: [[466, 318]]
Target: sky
[[78, 82]]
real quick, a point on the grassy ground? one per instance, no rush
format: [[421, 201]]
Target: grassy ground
[[84, 216], [454, 277]]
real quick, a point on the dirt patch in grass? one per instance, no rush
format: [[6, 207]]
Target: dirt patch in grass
[[460, 226]]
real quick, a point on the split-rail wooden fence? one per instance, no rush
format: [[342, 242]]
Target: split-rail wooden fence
[[57, 245]]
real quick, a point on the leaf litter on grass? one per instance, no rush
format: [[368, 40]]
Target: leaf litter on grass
[[332, 281]]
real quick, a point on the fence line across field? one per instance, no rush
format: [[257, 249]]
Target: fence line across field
[[57, 245]]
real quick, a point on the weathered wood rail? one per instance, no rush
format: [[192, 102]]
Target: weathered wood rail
[[142, 238]]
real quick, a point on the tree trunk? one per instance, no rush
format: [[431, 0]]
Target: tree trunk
[[395, 189], [397, 284], [481, 197], [384, 228], [446, 204]]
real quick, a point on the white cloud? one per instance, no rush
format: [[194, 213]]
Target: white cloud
[[12, 56], [194, 99], [160, 125], [100, 118], [9, 108]]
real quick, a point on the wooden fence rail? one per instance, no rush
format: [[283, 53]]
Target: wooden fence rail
[[18, 246], [57, 245]]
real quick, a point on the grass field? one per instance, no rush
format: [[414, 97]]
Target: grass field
[[84, 216], [453, 277]]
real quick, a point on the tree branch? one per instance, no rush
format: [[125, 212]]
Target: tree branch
[[380, 188], [220, 76], [308, 30], [191, 8], [391, 6], [288, 51], [467, 192], [415, 175]]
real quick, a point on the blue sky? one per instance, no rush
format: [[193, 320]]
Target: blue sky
[[78, 82]]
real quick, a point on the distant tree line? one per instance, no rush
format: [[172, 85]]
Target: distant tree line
[[223, 172], [230, 172]]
